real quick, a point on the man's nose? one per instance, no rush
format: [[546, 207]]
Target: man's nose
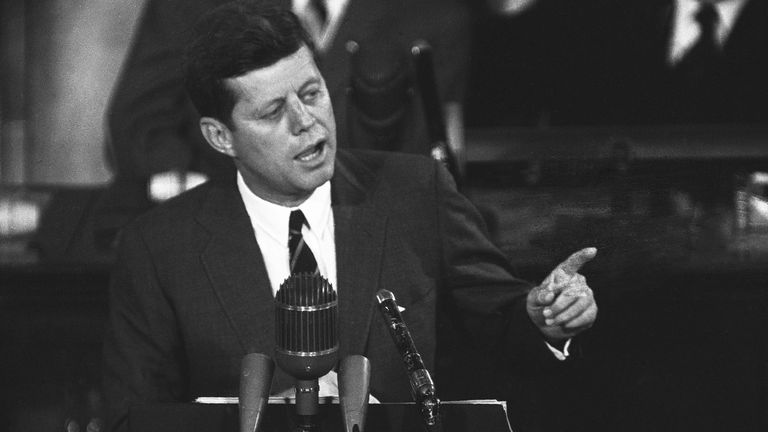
[[300, 117]]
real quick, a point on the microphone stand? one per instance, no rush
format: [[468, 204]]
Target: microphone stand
[[307, 405]]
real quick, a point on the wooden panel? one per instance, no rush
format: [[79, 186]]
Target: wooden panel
[[647, 143]]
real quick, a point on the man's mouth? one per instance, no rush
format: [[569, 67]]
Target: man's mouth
[[312, 153]]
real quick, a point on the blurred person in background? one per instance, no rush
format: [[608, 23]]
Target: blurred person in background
[[637, 62]]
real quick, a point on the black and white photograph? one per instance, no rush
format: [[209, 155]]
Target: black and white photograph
[[384, 215]]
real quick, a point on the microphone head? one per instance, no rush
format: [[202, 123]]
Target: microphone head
[[354, 389], [383, 295], [256, 371], [306, 310]]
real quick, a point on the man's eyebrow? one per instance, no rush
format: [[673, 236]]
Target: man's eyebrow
[[279, 100], [311, 81]]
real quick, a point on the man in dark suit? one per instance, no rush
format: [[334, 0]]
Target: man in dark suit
[[193, 288]]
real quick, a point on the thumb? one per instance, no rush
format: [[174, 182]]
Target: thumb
[[540, 296], [573, 263]]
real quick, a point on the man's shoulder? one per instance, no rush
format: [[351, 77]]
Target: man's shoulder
[[386, 177], [179, 211], [384, 163]]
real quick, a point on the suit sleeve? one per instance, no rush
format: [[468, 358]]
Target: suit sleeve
[[152, 124], [489, 300], [142, 347]]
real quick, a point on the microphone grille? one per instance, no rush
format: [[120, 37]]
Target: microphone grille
[[306, 311]]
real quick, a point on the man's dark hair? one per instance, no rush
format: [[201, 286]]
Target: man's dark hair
[[232, 40]]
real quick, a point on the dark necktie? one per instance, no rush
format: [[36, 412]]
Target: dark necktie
[[698, 91], [301, 258], [705, 52]]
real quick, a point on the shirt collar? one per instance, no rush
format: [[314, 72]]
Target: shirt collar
[[273, 218], [729, 11], [335, 7]]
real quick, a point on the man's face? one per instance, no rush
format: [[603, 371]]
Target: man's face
[[283, 134]]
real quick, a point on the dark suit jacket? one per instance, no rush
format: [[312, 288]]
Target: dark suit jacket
[[154, 127], [190, 294]]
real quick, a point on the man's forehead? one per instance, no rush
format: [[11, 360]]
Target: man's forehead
[[289, 73]]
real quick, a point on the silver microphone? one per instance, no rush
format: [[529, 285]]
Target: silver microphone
[[306, 345]]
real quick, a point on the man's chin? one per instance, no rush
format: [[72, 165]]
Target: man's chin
[[323, 171], [325, 175], [311, 179]]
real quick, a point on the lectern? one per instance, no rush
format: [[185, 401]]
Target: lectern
[[463, 416]]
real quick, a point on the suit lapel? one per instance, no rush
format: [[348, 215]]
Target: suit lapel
[[236, 269], [359, 244]]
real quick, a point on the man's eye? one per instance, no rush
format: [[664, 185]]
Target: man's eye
[[272, 113], [310, 95]]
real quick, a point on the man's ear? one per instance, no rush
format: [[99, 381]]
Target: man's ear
[[218, 135]]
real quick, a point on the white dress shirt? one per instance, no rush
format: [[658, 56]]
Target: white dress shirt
[[270, 224], [686, 31]]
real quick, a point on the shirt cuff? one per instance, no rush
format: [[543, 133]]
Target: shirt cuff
[[560, 355]]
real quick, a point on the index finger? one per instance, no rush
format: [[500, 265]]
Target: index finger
[[573, 263]]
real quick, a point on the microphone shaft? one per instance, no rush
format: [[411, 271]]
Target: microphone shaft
[[400, 334], [422, 386], [307, 392]]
